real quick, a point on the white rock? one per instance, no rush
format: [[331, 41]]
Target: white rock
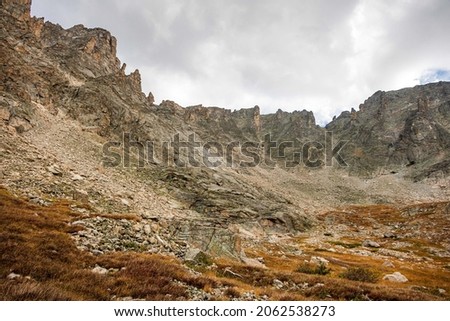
[[76, 177], [100, 270], [318, 260], [155, 227], [147, 229], [125, 202], [54, 170], [13, 276], [137, 227], [388, 264], [369, 243], [252, 262], [278, 284], [395, 277], [191, 254]]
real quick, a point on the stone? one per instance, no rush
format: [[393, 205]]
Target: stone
[[100, 270], [77, 177], [96, 252], [278, 284], [20, 124], [80, 195], [125, 202], [318, 260], [4, 114], [369, 243], [197, 257], [395, 277], [388, 264], [389, 235], [13, 276], [147, 229], [253, 262], [55, 170]]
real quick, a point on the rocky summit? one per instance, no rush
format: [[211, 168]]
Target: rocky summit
[[100, 185]]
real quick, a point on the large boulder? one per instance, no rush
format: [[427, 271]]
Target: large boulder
[[395, 277]]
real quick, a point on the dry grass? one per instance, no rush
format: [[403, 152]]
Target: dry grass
[[233, 292], [317, 287], [422, 228], [430, 219], [35, 244], [360, 274]]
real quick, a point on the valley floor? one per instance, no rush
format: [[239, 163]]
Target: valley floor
[[40, 261]]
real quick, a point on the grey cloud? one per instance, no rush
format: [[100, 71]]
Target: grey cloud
[[326, 56]]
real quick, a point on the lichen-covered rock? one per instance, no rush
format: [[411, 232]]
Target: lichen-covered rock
[[395, 277]]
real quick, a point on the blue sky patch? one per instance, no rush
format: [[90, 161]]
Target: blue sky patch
[[434, 75]]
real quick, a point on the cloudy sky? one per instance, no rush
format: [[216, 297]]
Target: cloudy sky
[[324, 56]]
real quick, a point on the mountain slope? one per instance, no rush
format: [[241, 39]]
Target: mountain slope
[[161, 178]]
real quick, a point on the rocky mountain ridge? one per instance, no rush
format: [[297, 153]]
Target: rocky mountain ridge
[[65, 99], [391, 130]]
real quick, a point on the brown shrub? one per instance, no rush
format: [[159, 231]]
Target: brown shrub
[[360, 274], [308, 268]]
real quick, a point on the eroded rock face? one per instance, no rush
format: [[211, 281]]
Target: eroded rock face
[[296, 125], [404, 130], [19, 9], [77, 70]]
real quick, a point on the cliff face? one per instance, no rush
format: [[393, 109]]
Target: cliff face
[[19, 9], [49, 74], [399, 130], [77, 71], [45, 64]]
